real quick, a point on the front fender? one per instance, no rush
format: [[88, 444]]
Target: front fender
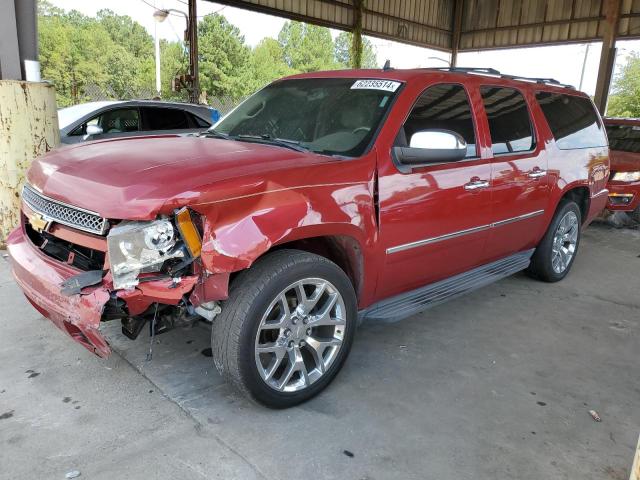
[[240, 230]]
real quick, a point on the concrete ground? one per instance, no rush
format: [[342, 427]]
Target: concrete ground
[[497, 385]]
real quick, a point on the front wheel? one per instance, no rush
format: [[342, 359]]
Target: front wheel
[[286, 329], [557, 251]]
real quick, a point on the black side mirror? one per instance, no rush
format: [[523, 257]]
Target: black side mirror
[[432, 146]]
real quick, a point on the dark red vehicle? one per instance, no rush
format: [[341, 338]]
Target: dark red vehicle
[[323, 200], [624, 182]]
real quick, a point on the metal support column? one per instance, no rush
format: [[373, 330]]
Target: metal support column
[[608, 55], [456, 30], [9, 48], [356, 34]]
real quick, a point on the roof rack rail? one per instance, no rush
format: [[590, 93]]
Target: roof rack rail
[[549, 81], [489, 71], [493, 71]]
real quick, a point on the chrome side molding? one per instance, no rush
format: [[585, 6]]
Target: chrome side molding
[[448, 236]]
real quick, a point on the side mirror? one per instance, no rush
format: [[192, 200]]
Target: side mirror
[[432, 146], [92, 130]]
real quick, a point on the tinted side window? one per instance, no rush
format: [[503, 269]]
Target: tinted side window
[[120, 120], [509, 120], [164, 119], [441, 107], [624, 137], [573, 120]]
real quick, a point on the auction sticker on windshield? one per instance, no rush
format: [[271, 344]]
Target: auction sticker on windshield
[[387, 85]]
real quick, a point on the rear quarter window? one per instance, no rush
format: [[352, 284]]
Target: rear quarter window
[[573, 121]]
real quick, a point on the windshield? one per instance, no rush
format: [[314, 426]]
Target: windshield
[[334, 116], [66, 116], [624, 137]]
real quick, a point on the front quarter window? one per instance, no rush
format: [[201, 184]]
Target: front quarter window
[[337, 116]]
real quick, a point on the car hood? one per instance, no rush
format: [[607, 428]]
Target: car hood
[[137, 178], [624, 161]]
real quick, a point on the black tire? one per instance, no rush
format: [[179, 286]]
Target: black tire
[[635, 215], [234, 331], [541, 266]]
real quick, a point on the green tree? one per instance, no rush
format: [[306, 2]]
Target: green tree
[[124, 31], [268, 63], [342, 51], [625, 101], [225, 66], [307, 48]]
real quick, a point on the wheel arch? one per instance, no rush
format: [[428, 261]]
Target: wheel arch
[[581, 195], [342, 249]]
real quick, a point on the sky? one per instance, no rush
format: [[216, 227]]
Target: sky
[[563, 63]]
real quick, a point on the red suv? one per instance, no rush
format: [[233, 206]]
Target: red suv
[[322, 201], [624, 182]]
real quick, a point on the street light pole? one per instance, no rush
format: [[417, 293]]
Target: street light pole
[[191, 37], [584, 65], [158, 81], [440, 59]]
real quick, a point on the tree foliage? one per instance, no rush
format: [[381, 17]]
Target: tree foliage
[[342, 51], [625, 100], [306, 47], [114, 55]]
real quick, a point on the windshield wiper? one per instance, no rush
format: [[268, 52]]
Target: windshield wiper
[[213, 134], [268, 140]]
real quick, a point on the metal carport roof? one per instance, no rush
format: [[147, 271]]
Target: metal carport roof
[[464, 25]]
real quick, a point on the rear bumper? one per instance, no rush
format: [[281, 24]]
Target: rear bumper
[[40, 278], [624, 197]]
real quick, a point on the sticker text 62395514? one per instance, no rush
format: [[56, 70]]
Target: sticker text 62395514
[[387, 85]]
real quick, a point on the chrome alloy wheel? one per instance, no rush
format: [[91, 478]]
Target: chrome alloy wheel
[[300, 335], [565, 241]]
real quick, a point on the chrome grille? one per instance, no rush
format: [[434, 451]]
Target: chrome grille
[[65, 214]]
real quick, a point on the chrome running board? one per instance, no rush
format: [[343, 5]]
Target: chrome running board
[[406, 304]]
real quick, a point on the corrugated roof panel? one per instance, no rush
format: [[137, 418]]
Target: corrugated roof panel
[[630, 25], [486, 24]]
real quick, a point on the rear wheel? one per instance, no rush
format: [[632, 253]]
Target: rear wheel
[[286, 329], [557, 251]]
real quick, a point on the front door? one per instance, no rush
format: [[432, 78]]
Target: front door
[[434, 218], [519, 190]]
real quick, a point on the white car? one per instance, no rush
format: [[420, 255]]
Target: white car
[[114, 119]]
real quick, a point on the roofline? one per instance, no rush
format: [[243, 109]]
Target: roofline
[[410, 74]]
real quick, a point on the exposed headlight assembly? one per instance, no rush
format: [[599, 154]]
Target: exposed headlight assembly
[[626, 177], [140, 247]]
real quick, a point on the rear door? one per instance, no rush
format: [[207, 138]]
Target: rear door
[[434, 218], [519, 189]]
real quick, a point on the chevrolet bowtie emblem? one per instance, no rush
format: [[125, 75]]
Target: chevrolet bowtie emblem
[[38, 222]]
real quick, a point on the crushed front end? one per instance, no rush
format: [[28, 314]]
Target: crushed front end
[[79, 269]]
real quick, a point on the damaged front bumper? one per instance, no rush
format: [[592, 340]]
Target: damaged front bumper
[[40, 278], [79, 315]]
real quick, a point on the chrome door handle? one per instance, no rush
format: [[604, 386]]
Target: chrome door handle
[[476, 184], [536, 173]]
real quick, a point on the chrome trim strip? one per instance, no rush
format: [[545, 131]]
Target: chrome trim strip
[[105, 223], [518, 218], [601, 192], [426, 241], [448, 236]]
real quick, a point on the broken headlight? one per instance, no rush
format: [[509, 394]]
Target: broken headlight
[[140, 247]]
